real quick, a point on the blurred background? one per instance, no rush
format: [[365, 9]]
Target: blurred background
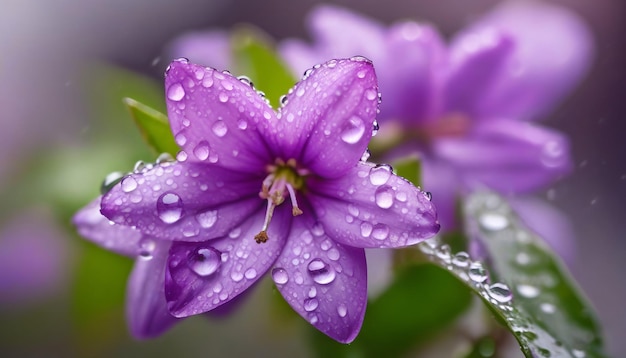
[[51, 54]]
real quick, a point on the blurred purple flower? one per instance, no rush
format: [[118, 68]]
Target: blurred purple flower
[[235, 149], [34, 259], [466, 107]]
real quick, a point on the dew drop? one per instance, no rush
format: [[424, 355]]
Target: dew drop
[[528, 291], [223, 97], [493, 221], [548, 308], [461, 259], [236, 276], [384, 197], [354, 130], [366, 229], [176, 92], [443, 253], [477, 272], [180, 138], [201, 151], [205, 261], [219, 128], [371, 94], [300, 91], [380, 174], [333, 254], [342, 310], [207, 219], [250, 273], [380, 232], [310, 304], [279, 275], [500, 292], [169, 208], [146, 248], [366, 155], [321, 272], [110, 181]]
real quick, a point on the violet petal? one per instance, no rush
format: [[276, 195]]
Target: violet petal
[[95, 227], [204, 275], [183, 201], [146, 308], [324, 281], [216, 118], [372, 207], [507, 155], [327, 121]]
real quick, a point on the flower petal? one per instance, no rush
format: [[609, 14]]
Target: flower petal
[[95, 227], [507, 155], [183, 201], [552, 51], [476, 61], [146, 308], [372, 207], [411, 74], [202, 276], [334, 30], [216, 118], [327, 121], [324, 281]]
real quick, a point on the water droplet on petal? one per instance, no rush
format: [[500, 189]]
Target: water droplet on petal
[[180, 138], [223, 97], [493, 221], [333, 254], [500, 292], [380, 232], [207, 219], [250, 273], [205, 261], [354, 130], [380, 174], [242, 124], [279, 275], [384, 197], [342, 310], [169, 208], [310, 304], [201, 151], [219, 128], [176, 92], [146, 248], [371, 94], [366, 229], [236, 276], [321, 272], [300, 91]]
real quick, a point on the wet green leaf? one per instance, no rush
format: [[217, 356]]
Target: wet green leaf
[[154, 127], [256, 58], [525, 285], [418, 305], [558, 318]]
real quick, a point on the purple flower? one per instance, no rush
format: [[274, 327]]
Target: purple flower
[[222, 207], [466, 107]]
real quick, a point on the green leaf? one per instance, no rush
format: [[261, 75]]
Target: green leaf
[[545, 312], [421, 302], [256, 58], [154, 127]]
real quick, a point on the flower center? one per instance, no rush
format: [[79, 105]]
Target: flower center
[[284, 180]]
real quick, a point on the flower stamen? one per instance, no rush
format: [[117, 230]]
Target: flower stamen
[[282, 176]]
